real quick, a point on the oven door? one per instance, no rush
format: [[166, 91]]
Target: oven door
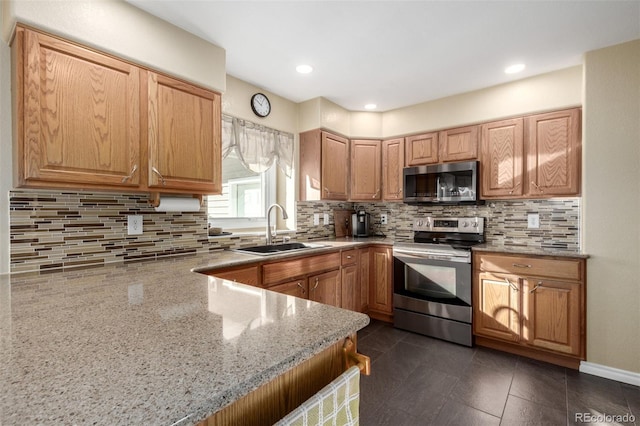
[[435, 280]]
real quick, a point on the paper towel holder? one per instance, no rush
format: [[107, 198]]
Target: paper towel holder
[[154, 199]]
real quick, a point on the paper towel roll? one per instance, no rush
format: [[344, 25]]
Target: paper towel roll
[[178, 204]]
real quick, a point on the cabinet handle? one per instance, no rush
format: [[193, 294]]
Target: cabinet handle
[[537, 187], [514, 188], [538, 284], [349, 257], [326, 191], [154, 170], [520, 265], [316, 286], [301, 287], [512, 285], [133, 170], [376, 194]]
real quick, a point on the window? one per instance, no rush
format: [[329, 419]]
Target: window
[[249, 153], [245, 196]]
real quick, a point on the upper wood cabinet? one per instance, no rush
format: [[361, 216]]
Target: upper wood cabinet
[[335, 167], [85, 119], [327, 179], [459, 144], [532, 157], [184, 136], [502, 158], [554, 153], [392, 165], [366, 182], [78, 115], [421, 149]]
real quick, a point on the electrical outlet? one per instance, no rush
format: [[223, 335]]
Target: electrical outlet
[[383, 219], [325, 219], [134, 225], [533, 221], [316, 219]]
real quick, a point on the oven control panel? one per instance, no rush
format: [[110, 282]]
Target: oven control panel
[[467, 225]]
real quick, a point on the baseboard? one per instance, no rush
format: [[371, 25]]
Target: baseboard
[[610, 373]]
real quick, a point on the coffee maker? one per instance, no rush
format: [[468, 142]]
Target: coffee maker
[[360, 224]]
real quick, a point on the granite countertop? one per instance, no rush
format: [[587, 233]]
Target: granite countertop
[[528, 250], [149, 342]]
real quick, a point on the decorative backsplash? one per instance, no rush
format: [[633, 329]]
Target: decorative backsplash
[[52, 229]]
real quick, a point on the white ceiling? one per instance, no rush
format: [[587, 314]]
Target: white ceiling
[[397, 53]]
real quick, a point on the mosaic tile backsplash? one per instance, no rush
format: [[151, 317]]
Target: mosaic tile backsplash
[[53, 230]]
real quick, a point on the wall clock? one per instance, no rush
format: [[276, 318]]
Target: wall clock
[[260, 105]]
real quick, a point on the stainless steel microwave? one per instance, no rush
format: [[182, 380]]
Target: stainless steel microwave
[[448, 183]]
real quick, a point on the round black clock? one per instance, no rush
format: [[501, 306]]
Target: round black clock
[[260, 105]]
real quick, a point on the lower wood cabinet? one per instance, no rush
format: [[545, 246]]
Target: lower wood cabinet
[[534, 306], [325, 288], [381, 283], [245, 274], [355, 279], [364, 277], [298, 288]]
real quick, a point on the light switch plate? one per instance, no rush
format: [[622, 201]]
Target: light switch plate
[[533, 221], [325, 219], [134, 225], [383, 219], [316, 219]]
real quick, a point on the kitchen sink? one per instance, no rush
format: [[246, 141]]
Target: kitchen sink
[[266, 250]]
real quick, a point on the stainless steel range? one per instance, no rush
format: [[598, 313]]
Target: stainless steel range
[[432, 278]]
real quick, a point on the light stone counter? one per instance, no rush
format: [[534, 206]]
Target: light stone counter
[[528, 250], [149, 343]]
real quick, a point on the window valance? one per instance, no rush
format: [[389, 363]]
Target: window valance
[[257, 146]]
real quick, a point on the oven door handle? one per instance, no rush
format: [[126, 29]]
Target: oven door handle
[[431, 256]]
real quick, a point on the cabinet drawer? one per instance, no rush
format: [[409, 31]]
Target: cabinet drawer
[[285, 270], [247, 275], [569, 269], [349, 257]]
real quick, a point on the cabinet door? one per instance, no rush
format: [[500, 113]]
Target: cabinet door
[[502, 158], [349, 286], [554, 153], [392, 164], [80, 115], [553, 310], [335, 167], [184, 134], [459, 144], [421, 149], [496, 310], [381, 284], [325, 288], [366, 164], [364, 280], [298, 288]]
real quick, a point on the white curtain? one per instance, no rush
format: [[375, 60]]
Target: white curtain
[[258, 147]]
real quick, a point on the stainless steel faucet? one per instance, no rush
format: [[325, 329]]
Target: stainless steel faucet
[[270, 236]]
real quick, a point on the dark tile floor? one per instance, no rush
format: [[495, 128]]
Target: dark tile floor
[[417, 380]]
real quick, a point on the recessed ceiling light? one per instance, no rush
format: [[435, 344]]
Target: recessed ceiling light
[[515, 68], [370, 106], [304, 69]]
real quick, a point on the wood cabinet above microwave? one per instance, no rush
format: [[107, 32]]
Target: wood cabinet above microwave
[[85, 119]]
